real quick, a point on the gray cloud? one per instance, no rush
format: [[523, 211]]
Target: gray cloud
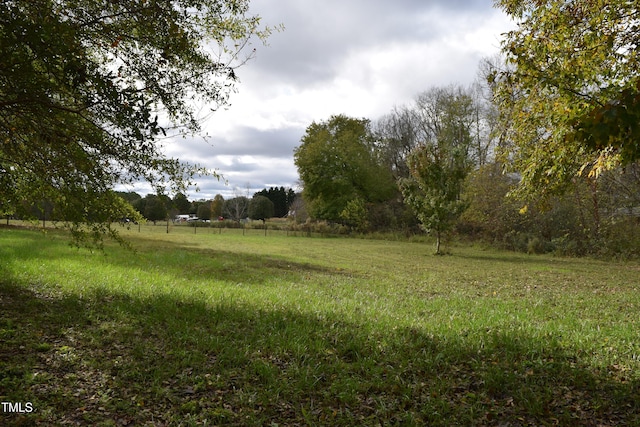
[[357, 57], [242, 177], [241, 141], [319, 36], [251, 141]]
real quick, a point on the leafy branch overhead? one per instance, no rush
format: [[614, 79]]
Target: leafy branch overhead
[[570, 101], [89, 89]]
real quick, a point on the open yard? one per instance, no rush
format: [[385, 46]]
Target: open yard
[[232, 329]]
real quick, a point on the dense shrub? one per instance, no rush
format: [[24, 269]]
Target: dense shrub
[[319, 227], [622, 239], [585, 220]]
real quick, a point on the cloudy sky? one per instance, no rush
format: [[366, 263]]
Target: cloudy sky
[[355, 57]]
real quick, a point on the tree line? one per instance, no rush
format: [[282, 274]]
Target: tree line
[[264, 204], [445, 163]]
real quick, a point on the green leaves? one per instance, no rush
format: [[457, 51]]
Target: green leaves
[[355, 214], [433, 189], [568, 99], [439, 166], [260, 207], [87, 88], [338, 163]]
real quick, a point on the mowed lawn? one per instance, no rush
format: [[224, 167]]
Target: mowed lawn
[[232, 329]]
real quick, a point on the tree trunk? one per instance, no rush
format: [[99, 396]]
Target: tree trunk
[[437, 243], [593, 184]]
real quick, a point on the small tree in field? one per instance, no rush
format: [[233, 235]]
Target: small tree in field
[[204, 210], [433, 191], [217, 206], [439, 166], [260, 207], [355, 215], [236, 208]]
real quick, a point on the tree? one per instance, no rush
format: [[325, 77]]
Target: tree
[[130, 196], [338, 162], [355, 215], [181, 204], [440, 164], [217, 206], [298, 210], [396, 133], [236, 208], [399, 132], [154, 207], [204, 210], [490, 213], [570, 99], [89, 88], [281, 198], [260, 207]]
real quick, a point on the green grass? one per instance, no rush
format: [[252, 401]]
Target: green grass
[[232, 329]]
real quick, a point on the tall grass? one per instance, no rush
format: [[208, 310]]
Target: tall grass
[[216, 329]]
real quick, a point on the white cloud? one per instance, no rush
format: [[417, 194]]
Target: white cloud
[[357, 57]]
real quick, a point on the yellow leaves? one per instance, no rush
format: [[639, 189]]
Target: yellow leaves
[[608, 159], [569, 59]]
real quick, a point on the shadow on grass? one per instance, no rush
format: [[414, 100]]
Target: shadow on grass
[[110, 359], [180, 260]]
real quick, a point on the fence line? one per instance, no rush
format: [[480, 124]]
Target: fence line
[[227, 228], [169, 227]]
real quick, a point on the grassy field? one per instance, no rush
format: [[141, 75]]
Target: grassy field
[[232, 329]]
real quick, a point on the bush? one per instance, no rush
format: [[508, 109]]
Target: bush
[[516, 241], [566, 246], [319, 227], [537, 245], [621, 239]]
